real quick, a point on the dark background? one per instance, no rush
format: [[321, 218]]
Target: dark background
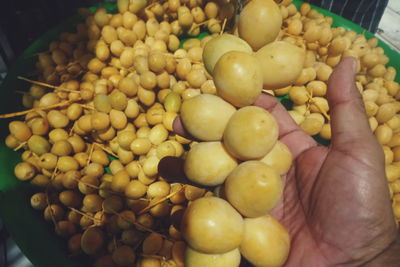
[[23, 21]]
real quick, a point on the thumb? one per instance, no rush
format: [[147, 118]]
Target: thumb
[[349, 122]]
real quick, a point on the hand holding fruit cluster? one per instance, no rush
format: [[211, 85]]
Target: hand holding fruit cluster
[[240, 153], [115, 87]]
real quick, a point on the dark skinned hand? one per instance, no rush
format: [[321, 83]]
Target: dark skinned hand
[[336, 204]]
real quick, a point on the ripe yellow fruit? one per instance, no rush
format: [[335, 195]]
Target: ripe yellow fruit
[[281, 63], [253, 188], [279, 158], [208, 163], [250, 133], [212, 225], [238, 79], [266, 242], [260, 22], [205, 116], [194, 258], [217, 47]]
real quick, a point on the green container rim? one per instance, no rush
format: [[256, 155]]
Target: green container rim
[[34, 236]]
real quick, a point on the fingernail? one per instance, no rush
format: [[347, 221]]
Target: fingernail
[[354, 64]]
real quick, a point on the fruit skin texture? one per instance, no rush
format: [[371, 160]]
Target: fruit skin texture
[[238, 78], [266, 242], [194, 258], [212, 225], [250, 133], [279, 158], [217, 47], [208, 163], [281, 63], [253, 188], [260, 23], [205, 116], [92, 240]]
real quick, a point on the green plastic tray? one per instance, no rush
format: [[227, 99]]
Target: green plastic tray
[[34, 236]]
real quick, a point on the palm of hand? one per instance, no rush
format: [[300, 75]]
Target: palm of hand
[[335, 205], [330, 209]]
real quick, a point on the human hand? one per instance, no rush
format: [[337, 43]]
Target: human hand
[[335, 205]]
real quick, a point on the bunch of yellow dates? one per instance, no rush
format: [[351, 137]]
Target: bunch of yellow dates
[[101, 118]]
